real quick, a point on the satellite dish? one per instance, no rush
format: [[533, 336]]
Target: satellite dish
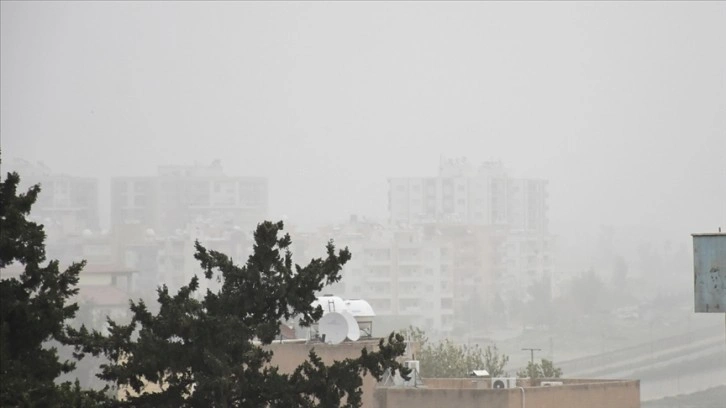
[[334, 326], [353, 329]]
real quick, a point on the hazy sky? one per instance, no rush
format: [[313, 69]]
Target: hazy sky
[[622, 106]]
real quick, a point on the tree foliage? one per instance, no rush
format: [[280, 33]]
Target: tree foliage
[[543, 369], [35, 306], [494, 362], [549, 370], [207, 349], [445, 359], [533, 371]]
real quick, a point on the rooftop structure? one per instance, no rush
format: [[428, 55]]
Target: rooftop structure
[[479, 393]]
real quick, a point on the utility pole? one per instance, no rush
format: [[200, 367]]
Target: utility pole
[[531, 353]]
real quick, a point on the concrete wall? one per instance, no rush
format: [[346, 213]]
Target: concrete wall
[[288, 356], [465, 392], [486, 383], [609, 394], [457, 383], [623, 394], [435, 398]]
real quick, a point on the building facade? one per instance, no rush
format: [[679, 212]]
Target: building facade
[[404, 274], [180, 195], [462, 193], [497, 223], [67, 205]]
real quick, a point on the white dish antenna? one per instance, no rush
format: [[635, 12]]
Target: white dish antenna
[[333, 327], [353, 329]]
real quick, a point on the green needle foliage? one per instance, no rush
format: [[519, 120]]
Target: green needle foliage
[[207, 349], [35, 307]]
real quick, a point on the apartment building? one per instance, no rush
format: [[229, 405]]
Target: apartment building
[[179, 195], [497, 223], [176, 262], [67, 205], [404, 274], [462, 193]]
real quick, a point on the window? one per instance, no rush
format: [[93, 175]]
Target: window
[[409, 303], [140, 200], [380, 305]]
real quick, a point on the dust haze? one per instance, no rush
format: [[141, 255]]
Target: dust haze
[[619, 107]]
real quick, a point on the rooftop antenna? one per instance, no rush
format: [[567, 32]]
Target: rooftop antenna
[[353, 329], [333, 327]]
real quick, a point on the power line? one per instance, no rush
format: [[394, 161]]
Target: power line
[[531, 352]]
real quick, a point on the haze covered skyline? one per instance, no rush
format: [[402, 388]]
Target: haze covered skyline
[[619, 106], [622, 107]]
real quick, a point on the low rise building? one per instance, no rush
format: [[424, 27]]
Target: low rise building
[[478, 393], [471, 392]]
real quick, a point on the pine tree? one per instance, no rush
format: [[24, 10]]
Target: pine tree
[[35, 306], [207, 349]]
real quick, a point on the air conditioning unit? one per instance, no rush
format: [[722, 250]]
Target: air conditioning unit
[[504, 382], [413, 365], [550, 383]]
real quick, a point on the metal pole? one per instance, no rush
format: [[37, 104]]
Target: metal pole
[[531, 353]]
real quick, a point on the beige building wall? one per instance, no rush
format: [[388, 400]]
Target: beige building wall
[[461, 392], [288, 356], [608, 394]]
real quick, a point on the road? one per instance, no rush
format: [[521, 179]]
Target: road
[[666, 367]]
